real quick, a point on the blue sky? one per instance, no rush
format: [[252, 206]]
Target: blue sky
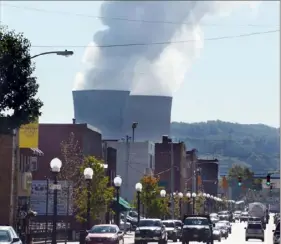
[[234, 80]]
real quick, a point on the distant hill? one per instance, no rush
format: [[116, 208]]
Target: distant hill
[[254, 145]]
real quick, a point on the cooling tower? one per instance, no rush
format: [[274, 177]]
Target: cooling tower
[[153, 115], [103, 109]]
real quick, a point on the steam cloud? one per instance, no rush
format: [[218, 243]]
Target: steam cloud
[[148, 69]]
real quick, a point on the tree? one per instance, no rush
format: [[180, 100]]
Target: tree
[[18, 86], [150, 197], [240, 171], [101, 194], [72, 159]]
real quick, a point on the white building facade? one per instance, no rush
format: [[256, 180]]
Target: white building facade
[[134, 160]]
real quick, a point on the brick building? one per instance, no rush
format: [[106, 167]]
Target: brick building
[[209, 172], [190, 168], [163, 163]]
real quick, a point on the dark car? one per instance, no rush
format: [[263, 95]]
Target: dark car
[[105, 234], [151, 230], [197, 228], [171, 229]]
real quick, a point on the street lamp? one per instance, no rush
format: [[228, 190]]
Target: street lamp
[[163, 195], [88, 175], [64, 53], [117, 183], [180, 195], [188, 195], [138, 189], [134, 126], [55, 165], [193, 202]]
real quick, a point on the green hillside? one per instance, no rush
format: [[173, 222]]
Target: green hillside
[[255, 145]]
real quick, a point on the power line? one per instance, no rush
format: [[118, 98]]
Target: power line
[[160, 43], [124, 19]]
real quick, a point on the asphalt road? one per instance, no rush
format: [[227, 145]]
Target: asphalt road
[[237, 236]]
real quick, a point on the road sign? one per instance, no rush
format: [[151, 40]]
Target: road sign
[[23, 214], [55, 187]]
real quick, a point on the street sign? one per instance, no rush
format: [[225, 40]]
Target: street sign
[[23, 214], [55, 187]]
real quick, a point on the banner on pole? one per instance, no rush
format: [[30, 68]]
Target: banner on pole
[[29, 135]]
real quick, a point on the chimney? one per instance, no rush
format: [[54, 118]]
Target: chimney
[[74, 121], [165, 139]]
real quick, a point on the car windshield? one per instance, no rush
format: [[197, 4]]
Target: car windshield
[[224, 222], [245, 214], [146, 222], [213, 215], [237, 212], [5, 236], [178, 223], [196, 221], [223, 213], [169, 224], [254, 226], [103, 229]]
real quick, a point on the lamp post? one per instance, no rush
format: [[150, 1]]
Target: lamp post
[[134, 126], [180, 195], [55, 165], [117, 183], [88, 175], [138, 189], [163, 195], [193, 202], [64, 53], [188, 195]]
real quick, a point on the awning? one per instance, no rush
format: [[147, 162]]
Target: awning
[[37, 151], [123, 203]]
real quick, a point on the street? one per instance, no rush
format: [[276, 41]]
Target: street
[[237, 236]]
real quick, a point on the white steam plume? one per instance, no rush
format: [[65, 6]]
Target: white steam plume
[[148, 69]]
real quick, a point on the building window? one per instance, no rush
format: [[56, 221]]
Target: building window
[[33, 164], [150, 161]]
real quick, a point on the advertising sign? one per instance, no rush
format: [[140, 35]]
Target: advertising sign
[[28, 135], [38, 198]]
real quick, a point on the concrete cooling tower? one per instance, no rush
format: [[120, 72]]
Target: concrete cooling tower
[[103, 109], [153, 115]]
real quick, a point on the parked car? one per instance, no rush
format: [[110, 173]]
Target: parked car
[[254, 230], [151, 230], [276, 234], [125, 225], [105, 234], [8, 235]]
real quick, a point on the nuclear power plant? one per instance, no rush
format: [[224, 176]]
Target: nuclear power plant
[[113, 112]]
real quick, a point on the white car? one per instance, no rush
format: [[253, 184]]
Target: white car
[[124, 226], [8, 235]]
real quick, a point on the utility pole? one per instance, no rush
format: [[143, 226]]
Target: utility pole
[[127, 160], [172, 181]]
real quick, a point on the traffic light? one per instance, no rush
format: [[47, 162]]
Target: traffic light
[[239, 181], [268, 180]]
